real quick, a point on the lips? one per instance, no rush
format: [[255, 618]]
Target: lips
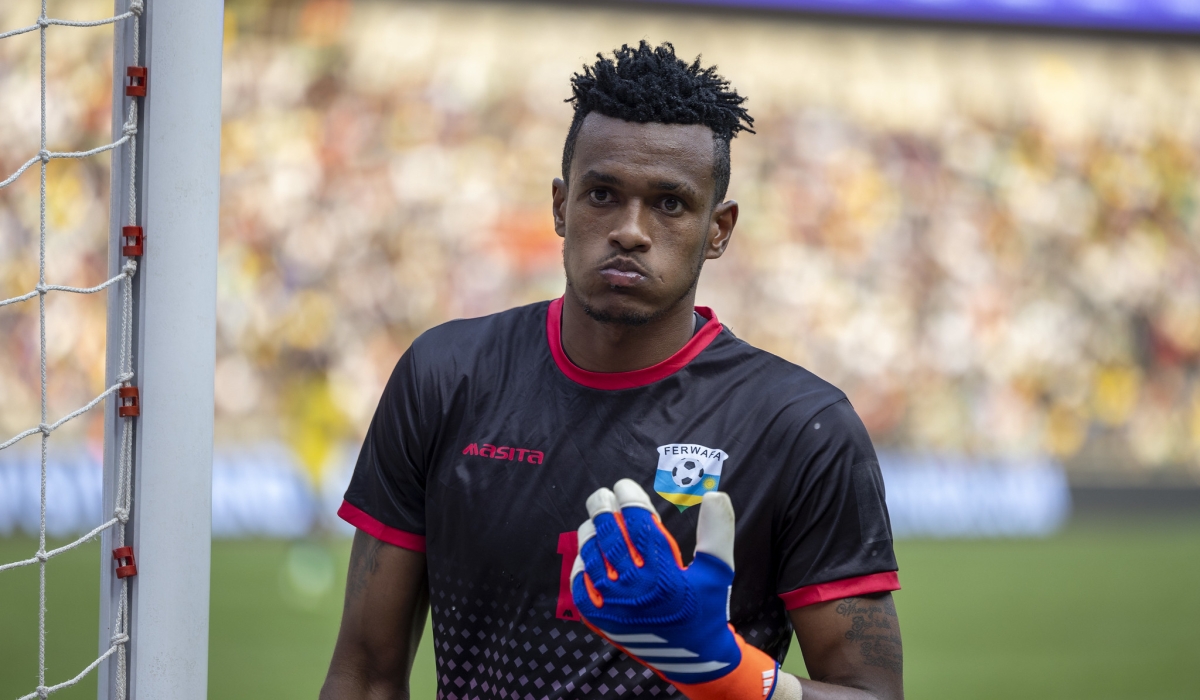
[[620, 278], [622, 272]]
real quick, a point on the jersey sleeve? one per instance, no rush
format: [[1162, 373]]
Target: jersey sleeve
[[836, 538], [386, 496]]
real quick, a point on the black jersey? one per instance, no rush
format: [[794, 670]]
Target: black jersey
[[488, 441]]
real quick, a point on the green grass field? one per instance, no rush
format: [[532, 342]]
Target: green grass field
[[1103, 610]]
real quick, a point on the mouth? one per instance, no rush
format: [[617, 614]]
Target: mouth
[[623, 272]]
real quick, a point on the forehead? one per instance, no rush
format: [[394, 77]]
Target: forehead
[[658, 151]]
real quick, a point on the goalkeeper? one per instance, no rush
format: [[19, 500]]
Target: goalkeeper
[[729, 499]]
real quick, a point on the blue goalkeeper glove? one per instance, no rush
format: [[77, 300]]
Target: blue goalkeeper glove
[[631, 587]]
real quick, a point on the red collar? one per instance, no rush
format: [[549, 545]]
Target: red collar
[[638, 377]]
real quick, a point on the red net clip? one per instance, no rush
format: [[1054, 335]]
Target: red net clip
[[138, 78], [130, 394], [126, 566], [133, 249]]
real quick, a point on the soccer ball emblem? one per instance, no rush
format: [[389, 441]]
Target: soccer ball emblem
[[687, 473]]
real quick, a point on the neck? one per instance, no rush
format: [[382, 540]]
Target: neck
[[614, 347]]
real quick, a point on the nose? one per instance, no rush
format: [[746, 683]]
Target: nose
[[630, 232]]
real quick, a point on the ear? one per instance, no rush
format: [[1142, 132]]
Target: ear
[[720, 229], [558, 191]]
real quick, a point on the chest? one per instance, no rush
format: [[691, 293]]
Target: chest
[[535, 445], [513, 468]]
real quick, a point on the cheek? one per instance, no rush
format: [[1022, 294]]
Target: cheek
[[581, 245], [587, 229], [681, 247], [582, 222]]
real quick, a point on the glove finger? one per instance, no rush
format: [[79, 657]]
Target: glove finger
[[594, 562], [602, 506], [611, 539], [715, 527], [585, 532], [650, 538], [582, 594], [646, 533], [602, 501], [630, 493]]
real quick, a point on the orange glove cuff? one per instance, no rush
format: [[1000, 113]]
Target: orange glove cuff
[[753, 679]]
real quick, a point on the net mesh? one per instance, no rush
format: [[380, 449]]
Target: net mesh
[[123, 497]]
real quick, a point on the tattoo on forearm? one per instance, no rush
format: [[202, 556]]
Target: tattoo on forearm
[[876, 629], [364, 560]]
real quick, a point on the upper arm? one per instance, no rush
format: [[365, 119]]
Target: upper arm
[[387, 599], [387, 595], [388, 484], [834, 535], [837, 565], [853, 642]]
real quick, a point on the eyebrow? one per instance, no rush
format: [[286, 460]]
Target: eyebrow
[[602, 177], [665, 185], [681, 187]]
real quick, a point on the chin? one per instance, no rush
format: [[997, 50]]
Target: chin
[[618, 307]]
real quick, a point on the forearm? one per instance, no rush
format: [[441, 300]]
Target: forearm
[[816, 690], [386, 603], [789, 687], [344, 684], [852, 648], [371, 662], [374, 670]]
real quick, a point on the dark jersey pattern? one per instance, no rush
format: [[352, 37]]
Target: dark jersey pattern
[[488, 441]]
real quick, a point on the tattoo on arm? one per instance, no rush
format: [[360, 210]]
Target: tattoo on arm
[[364, 560], [875, 628]]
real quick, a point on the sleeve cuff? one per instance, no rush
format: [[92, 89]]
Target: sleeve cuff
[[378, 530], [845, 588]]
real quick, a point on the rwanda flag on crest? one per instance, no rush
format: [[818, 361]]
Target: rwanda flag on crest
[[687, 472]]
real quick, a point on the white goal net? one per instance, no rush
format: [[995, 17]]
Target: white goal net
[[123, 387], [154, 574]]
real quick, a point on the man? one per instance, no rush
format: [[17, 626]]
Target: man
[[493, 432]]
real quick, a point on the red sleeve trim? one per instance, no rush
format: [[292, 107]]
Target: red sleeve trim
[[378, 530], [846, 588], [628, 380]]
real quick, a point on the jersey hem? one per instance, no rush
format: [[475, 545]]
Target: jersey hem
[[637, 378], [378, 530], [845, 588]]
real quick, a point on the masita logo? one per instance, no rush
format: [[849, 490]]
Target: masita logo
[[504, 452], [687, 472]]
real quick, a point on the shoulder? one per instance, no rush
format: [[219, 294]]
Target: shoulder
[[784, 389], [466, 352], [469, 339]]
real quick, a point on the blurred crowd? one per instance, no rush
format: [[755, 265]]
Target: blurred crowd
[[990, 242], [78, 99], [259, 490]]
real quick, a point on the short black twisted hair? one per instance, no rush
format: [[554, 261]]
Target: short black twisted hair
[[650, 84]]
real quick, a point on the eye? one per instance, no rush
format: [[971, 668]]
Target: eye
[[672, 205], [600, 196]]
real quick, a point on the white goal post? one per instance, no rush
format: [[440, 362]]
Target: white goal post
[[174, 346]]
